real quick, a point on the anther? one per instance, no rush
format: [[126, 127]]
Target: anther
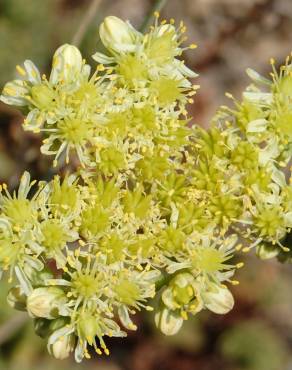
[[234, 282], [20, 70], [106, 351]]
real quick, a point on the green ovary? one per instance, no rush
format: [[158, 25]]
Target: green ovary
[[245, 156], [112, 161], [284, 124], [224, 208], [192, 217], [132, 68], [9, 252], [261, 177], [64, 196], [137, 203], [212, 142], [54, 236], [207, 177], [162, 49], [75, 131], [167, 90], [285, 85], [87, 92], [118, 124], [20, 211], [128, 292], [153, 167], [180, 292], [113, 247], [183, 295], [209, 260], [248, 112], [173, 189], [85, 286], [269, 221], [43, 96], [172, 240], [94, 220], [144, 118], [88, 325]]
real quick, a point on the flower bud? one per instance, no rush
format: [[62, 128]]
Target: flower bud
[[17, 299], [46, 302], [218, 299], [63, 346], [67, 64], [182, 292], [117, 35]]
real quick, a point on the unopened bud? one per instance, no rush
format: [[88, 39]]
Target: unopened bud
[[45, 302], [63, 346], [17, 299], [117, 35], [67, 64]]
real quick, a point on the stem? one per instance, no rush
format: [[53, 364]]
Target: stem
[[8, 329], [86, 22], [164, 280], [157, 7]]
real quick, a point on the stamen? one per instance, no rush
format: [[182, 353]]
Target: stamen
[[20, 70]]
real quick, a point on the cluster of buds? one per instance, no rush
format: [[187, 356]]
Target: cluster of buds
[[152, 215]]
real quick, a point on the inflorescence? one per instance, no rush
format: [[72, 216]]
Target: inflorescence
[[156, 209]]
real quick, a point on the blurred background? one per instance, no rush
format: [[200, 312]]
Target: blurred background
[[232, 35]]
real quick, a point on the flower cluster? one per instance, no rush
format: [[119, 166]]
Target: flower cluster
[[243, 164], [151, 218]]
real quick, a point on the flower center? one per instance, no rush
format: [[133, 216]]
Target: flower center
[[85, 285], [75, 131]]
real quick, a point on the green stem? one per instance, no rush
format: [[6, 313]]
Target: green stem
[[164, 280], [86, 22], [10, 327], [157, 7]]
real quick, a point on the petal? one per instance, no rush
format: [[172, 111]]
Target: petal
[[23, 281], [187, 72], [218, 299], [103, 59], [168, 322], [266, 251], [33, 73], [125, 318], [258, 125], [255, 76], [14, 93], [34, 120], [24, 185], [168, 299]]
